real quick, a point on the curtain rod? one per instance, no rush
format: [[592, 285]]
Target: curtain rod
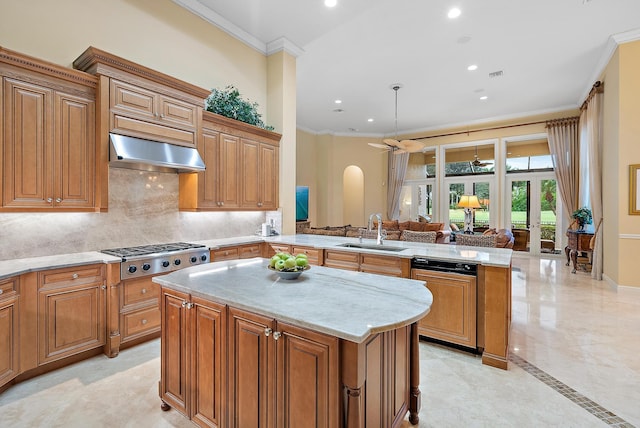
[[487, 129], [597, 87]]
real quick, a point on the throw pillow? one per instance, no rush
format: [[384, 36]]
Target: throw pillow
[[426, 237]]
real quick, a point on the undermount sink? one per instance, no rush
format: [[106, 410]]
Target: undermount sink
[[372, 247]]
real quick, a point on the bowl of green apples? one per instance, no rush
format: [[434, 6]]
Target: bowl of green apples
[[288, 266]]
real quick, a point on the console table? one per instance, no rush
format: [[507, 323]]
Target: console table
[[578, 242]]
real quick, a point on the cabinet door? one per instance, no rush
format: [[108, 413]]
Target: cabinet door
[[71, 312], [74, 176], [251, 370], [132, 100], [251, 174], [176, 112], [314, 256], [453, 314], [8, 340], [173, 350], [307, 378], [208, 363], [268, 177], [229, 172], [209, 180], [28, 145]]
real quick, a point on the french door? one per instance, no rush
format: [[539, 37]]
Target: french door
[[533, 211]]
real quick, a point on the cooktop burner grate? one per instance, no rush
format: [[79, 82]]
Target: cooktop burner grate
[[144, 250]]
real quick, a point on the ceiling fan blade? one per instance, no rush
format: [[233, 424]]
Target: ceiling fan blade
[[399, 151], [380, 146], [391, 142], [411, 146]]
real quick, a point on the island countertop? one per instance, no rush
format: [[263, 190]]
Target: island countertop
[[347, 305]]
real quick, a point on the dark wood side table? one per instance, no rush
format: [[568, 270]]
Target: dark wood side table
[[578, 242]]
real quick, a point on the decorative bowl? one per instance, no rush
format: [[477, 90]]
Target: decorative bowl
[[289, 274]]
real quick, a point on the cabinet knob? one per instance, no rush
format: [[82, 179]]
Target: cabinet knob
[[276, 335], [1, 291], [259, 204], [74, 276], [49, 200], [104, 287], [267, 331], [221, 204], [58, 200], [187, 305], [144, 322], [143, 291]]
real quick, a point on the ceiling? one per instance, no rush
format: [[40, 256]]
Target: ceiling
[[550, 53]]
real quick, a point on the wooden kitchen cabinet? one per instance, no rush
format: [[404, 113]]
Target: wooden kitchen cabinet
[[71, 311], [314, 256], [270, 249], [48, 138], [242, 168], [193, 379], [453, 318], [296, 371], [245, 251], [139, 309], [385, 265], [348, 260], [9, 330]]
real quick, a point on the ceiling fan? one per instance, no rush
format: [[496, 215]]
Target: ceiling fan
[[477, 163], [395, 146]]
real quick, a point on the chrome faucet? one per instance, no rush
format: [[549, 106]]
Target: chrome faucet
[[379, 235]]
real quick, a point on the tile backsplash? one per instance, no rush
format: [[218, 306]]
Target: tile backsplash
[[143, 209]]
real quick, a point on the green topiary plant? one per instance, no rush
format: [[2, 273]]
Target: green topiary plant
[[228, 102], [582, 216]]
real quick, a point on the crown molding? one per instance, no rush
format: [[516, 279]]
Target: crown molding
[[612, 44], [283, 44], [197, 8]]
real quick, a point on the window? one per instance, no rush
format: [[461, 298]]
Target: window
[[528, 156], [470, 160]]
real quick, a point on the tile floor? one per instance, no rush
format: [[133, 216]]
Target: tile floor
[[575, 345]]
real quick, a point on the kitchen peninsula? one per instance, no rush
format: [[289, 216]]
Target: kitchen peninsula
[[333, 347]]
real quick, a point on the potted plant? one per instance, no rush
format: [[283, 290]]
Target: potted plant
[[582, 216], [228, 102]]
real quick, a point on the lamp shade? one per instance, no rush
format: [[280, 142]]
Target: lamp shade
[[469, 201]]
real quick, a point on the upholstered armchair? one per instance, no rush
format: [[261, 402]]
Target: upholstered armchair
[[477, 240]]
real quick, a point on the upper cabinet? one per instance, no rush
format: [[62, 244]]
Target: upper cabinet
[[242, 168], [48, 156]]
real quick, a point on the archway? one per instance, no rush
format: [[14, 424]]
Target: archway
[[353, 195]]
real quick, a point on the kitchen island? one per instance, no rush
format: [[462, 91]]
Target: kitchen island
[[243, 348]]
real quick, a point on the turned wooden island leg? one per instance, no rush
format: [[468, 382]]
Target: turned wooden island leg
[[414, 377], [353, 378]]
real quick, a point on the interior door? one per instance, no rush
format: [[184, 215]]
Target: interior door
[[533, 211]]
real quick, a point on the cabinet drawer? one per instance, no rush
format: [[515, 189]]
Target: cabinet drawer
[[139, 292], [8, 288], [342, 259], [249, 251], [392, 266], [224, 254], [314, 255], [139, 323], [129, 98], [134, 127], [66, 277]]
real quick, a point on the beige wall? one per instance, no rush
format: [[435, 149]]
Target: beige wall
[[322, 160], [155, 33], [622, 128]]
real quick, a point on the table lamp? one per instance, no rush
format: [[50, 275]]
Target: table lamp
[[468, 202]]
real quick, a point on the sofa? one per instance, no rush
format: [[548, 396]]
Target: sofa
[[392, 228]]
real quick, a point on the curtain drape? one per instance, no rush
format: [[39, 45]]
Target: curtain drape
[[591, 124], [563, 136], [396, 172]]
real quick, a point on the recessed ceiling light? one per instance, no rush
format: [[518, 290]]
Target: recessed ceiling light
[[330, 3], [454, 13], [370, 120], [472, 67], [484, 97], [338, 101]]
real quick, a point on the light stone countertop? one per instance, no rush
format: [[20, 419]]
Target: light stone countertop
[[19, 266], [347, 305], [498, 257]]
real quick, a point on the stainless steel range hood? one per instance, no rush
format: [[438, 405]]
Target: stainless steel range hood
[[136, 153]]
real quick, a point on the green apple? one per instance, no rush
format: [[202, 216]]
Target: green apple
[[301, 262], [290, 263], [279, 264], [301, 256], [273, 261]]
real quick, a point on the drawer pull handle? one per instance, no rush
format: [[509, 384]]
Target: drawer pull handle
[[267, 331], [74, 276], [144, 322], [143, 291]]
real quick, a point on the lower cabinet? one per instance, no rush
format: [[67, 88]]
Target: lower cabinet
[[314, 256], [193, 371], [9, 331], [453, 318], [370, 263], [71, 311], [245, 251], [139, 311], [278, 374]]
